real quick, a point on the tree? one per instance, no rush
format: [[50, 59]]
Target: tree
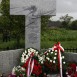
[[66, 20], [12, 23], [5, 6], [74, 25], [44, 22]]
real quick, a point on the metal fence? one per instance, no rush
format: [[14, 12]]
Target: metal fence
[[74, 50], [71, 50]]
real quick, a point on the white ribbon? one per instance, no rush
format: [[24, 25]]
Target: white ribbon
[[30, 67]]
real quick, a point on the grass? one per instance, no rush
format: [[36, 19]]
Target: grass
[[68, 38], [11, 44], [49, 37]]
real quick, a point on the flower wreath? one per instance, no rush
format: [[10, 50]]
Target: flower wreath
[[25, 56], [34, 63]]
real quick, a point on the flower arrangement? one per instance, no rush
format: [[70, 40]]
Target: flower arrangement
[[72, 69], [51, 61], [30, 55], [34, 63]]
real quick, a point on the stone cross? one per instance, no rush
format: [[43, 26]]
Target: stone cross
[[33, 9]]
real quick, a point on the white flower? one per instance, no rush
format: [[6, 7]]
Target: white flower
[[19, 66], [36, 53], [66, 73], [54, 61], [13, 71], [64, 62], [51, 52], [29, 53], [55, 53], [22, 68], [50, 60], [25, 60], [23, 54], [47, 53], [47, 58], [55, 50], [41, 58], [38, 56], [25, 51], [62, 57], [41, 62], [22, 60], [29, 50], [27, 57], [54, 57], [52, 49]]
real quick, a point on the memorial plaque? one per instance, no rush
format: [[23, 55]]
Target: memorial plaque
[[32, 9]]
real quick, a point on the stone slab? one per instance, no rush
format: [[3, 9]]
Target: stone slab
[[24, 7], [70, 57], [9, 59]]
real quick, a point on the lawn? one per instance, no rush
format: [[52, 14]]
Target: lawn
[[68, 38], [49, 37], [12, 44]]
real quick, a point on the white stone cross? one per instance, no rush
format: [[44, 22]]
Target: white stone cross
[[33, 9]]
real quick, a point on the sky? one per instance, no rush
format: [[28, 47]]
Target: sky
[[0, 1], [64, 7]]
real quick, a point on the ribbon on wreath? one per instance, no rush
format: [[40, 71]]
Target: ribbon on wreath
[[59, 48], [29, 65]]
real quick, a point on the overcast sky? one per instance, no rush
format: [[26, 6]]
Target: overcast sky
[[66, 7], [0, 0]]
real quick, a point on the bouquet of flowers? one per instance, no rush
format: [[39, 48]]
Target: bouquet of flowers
[[34, 63], [30, 64]]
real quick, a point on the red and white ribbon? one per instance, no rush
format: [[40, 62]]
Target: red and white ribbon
[[30, 65], [59, 48]]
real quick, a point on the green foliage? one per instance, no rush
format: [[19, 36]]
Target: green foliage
[[74, 25], [14, 26], [12, 44], [66, 20], [44, 22], [5, 6], [68, 38]]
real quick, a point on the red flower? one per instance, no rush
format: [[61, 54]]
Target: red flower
[[21, 75], [73, 66], [75, 75], [37, 70]]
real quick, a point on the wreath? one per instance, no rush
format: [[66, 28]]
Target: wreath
[[35, 63]]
